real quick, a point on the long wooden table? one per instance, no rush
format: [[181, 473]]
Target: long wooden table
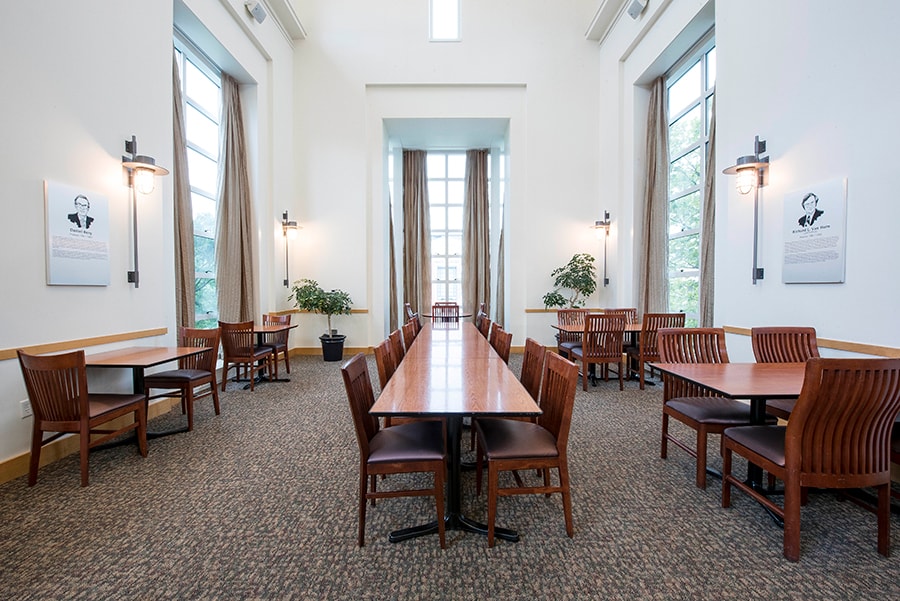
[[452, 373]]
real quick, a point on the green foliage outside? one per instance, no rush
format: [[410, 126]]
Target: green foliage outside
[[578, 276], [307, 295]]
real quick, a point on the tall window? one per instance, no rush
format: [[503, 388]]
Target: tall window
[[443, 20], [446, 193], [690, 90], [201, 83]]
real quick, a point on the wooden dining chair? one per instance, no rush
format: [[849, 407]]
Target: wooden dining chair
[[696, 407], [838, 437], [58, 391], [445, 312], [407, 448], [412, 316], [533, 367], [239, 348], [485, 328], [628, 313], [601, 344], [520, 445], [396, 338], [647, 350], [778, 344], [278, 341], [409, 333], [386, 363], [566, 341], [501, 341], [195, 377]]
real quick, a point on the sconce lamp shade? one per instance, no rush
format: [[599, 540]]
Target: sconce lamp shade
[[601, 226], [751, 171], [289, 227], [142, 168]]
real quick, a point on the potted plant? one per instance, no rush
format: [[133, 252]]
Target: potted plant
[[577, 275], [307, 295]]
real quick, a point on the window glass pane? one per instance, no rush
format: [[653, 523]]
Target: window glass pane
[[454, 217], [202, 172], [685, 172], [204, 210], [684, 91], [454, 292], [437, 192], [456, 192], [454, 244], [438, 244], [204, 133], [684, 296], [456, 166], [201, 89], [685, 132], [444, 19], [684, 253], [711, 68], [454, 269], [438, 218], [434, 163], [684, 213]]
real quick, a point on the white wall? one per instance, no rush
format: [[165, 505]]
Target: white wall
[[80, 79], [356, 50]]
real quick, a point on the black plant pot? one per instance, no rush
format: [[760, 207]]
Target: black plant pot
[[332, 347]]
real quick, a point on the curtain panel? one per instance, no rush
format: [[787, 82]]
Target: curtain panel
[[184, 216], [416, 232], [234, 232], [476, 259], [708, 230]]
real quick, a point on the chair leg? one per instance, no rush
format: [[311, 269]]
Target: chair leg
[[361, 535], [584, 375], [791, 519], [701, 458], [287, 361], [439, 502], [215, 396], [187, 399], [566, 498], [224, 376], [664, 444], [641, 373], [85, 444], [726, 473], [884, 519], [35, 460], [493, 485], [141, 419]]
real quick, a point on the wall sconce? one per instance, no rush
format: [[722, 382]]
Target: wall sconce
[[752, 174], [289, 231], [141, 171], [601, 229]]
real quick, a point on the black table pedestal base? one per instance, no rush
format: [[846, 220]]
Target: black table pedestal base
[[452, 522]]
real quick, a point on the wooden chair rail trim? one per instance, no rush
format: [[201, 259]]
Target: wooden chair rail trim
[[839, 345], [68, 345]]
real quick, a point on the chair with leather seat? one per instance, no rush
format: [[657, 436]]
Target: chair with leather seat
[[783, 344], [838, 437], [566, 341], [445, 312], [396, 338], [628, 313], [696, 407], [501, 341], [409, 333], [521, 445], [61, 403], [601, 344], [278, 341], [239, 348], [193, 373], [407, 448], [533, 367], [482, 314], [647, 350], [485, 327]]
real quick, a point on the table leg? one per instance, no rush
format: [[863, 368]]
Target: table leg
[[453, 520]]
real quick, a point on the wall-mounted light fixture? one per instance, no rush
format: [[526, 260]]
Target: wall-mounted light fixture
[[601, 229], [752, 173], [289, 231], [142, 171]]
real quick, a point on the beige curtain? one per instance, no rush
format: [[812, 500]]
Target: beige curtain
[[476, 255], [653, 291], [416, 232], [498, 311], [234, 232], [708, 230], [184, 217], [392, 270]]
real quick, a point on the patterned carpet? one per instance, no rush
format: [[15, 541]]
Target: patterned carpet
[[259, 503]]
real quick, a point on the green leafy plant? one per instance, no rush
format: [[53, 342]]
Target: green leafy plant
[[579, 276], [307, 295]]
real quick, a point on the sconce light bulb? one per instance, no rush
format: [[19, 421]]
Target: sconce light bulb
[[746, 180], [143, 181]]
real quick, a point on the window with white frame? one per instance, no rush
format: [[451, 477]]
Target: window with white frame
[[201, 84], [690, 89], [446, 193], [443, 20]]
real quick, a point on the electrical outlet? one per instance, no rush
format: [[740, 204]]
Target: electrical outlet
[[25, 409]]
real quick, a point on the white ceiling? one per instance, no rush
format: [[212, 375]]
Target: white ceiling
[[446, 133]]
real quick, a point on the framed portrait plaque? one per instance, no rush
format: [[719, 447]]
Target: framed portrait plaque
[[77, 236], [815, 234]]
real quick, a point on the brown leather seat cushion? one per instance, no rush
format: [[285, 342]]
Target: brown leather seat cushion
[[786, 405], [183, 375], [712, 410], [413, 441], [568, 346], [768, 441], [507, 438]]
